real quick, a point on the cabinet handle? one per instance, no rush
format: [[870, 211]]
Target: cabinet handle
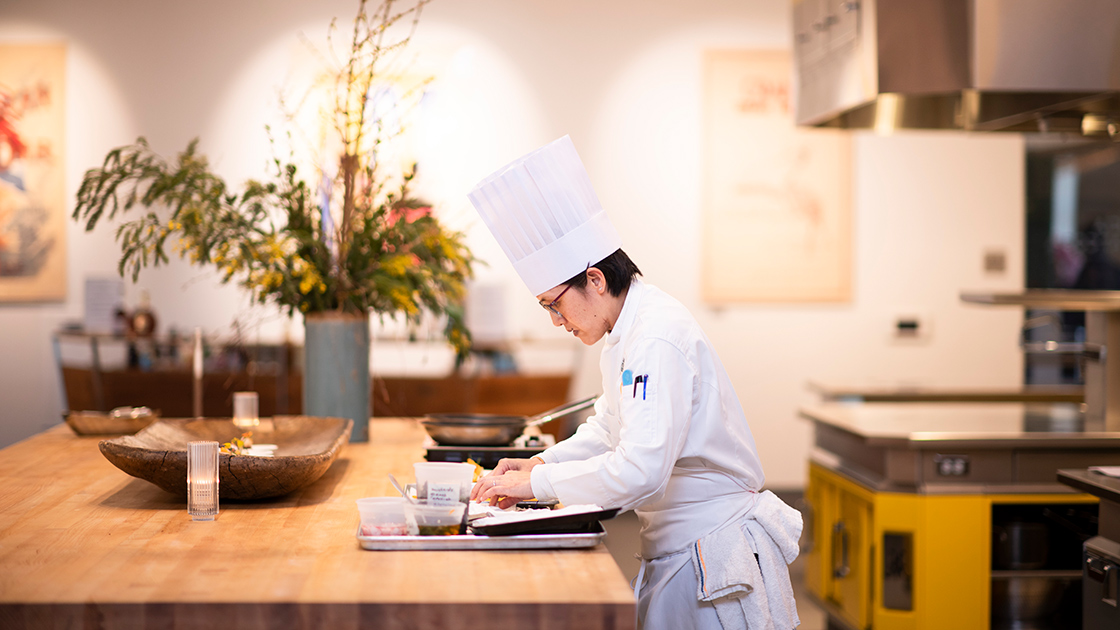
[[840, 533], [1107, 594]]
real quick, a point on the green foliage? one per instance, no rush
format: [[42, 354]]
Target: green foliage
[[387, 254], [270, 238]]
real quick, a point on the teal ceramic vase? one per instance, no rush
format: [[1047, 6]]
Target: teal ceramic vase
[[336, 369]]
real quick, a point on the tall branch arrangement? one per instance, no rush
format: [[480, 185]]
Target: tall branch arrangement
[[362, 243]]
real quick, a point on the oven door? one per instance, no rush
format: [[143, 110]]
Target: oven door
[[1100, 582]]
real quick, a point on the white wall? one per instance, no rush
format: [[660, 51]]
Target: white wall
[[623, 79]]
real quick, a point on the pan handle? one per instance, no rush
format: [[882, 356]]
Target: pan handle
[[562, 410]]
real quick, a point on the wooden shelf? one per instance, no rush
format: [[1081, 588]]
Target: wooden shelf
[[171, 393], [273, 371]]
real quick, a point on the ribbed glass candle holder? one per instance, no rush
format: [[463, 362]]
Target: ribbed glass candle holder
[[202, 480]]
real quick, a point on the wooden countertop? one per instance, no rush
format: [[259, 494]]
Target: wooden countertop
[[976, 425], [83, 543]]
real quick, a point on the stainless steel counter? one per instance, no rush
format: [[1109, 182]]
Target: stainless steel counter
[[1105, 488], [1102, 330], [848, 392], [1058, 299], [959, 447]]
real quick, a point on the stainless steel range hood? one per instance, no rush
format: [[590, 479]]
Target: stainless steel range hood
[[980, 65]]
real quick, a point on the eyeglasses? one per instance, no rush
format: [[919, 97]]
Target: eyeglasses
[[551, 306]]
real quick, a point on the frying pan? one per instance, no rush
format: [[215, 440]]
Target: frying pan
[[480, 429]]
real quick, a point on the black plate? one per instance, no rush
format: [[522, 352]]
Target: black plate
[[584, 523]]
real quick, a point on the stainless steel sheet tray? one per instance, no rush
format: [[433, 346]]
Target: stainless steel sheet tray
[[471, 542]]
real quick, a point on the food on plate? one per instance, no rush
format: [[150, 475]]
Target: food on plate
[[477, 469]]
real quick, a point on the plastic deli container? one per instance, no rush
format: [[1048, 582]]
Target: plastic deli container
[[444, 482], [386, 516], [438, 519]]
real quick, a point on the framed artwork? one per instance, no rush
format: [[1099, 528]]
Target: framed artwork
[[776, 218], [32, 184]]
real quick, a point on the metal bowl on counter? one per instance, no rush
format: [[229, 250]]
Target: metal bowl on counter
[[1019, 545], [480, 429]]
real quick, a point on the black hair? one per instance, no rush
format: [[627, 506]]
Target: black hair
[[618, 270]]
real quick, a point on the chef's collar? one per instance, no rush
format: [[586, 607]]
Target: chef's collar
[[629, 311]]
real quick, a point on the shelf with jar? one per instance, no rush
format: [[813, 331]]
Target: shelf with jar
[[98, 373]]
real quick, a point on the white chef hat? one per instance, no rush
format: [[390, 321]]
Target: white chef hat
[[546, 216]]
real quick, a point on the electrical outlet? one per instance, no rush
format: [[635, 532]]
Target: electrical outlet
[[910, 327], [951, 465], [995, 261]]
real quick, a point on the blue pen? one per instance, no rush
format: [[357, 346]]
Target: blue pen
[[645, 381]]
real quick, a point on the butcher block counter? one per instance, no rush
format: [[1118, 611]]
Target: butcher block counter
[[82, 544]]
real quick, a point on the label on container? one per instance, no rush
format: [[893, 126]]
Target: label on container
[[443, 493]]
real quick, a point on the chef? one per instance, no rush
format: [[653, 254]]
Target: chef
[[668, 438]]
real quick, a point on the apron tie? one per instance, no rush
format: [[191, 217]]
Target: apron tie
[[637, 583]]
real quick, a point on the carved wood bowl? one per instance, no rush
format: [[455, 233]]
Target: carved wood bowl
[[101, 423], [306, 448]]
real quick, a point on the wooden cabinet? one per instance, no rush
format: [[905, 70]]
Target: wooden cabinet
[[171, 391], [505, 394], [273, 371]]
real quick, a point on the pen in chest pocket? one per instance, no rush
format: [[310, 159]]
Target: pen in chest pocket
[[643, 379]]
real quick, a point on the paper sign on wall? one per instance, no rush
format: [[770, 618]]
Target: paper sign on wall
[[776, 200]]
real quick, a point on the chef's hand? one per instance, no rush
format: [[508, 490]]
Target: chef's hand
[[505, 466], [504, 490]]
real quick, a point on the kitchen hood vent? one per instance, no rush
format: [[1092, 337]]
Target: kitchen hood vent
[[978, 65]]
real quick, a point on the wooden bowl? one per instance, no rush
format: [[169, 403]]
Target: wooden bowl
[[101, 423], [306, 448]]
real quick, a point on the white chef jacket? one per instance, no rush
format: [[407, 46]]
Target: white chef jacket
[[668, 438]]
